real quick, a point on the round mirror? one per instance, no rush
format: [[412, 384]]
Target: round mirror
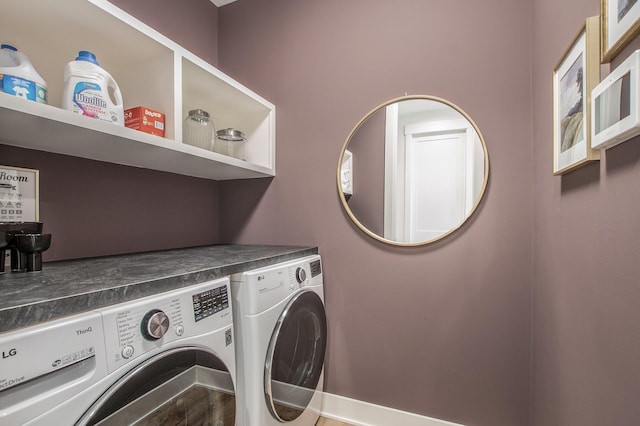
[[413, 170]]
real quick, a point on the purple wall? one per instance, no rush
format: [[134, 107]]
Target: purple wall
[[367, 147], [192, 24], [93, 208], [442, 330], [586, 344]]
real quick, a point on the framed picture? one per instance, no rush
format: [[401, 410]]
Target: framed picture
[[620, 23], [574, 77], [19, 194]]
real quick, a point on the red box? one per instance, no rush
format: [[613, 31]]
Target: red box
[[145, 119]]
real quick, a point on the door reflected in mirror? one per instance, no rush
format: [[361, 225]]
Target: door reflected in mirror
[[418, 168]]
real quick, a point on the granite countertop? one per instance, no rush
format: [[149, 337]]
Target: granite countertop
[[69, 287]]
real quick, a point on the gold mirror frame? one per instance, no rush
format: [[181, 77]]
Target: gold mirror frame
[[345, 146]]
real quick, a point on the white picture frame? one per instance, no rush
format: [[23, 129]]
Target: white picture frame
[[19, 194]]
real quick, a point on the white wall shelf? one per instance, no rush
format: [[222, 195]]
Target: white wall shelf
[[151, 71]]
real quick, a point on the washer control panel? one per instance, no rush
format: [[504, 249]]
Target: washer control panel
[[154, 324], [210, 302], [301, 275], [134, 328]]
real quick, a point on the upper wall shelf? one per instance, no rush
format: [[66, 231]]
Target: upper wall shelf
[[151, 71]]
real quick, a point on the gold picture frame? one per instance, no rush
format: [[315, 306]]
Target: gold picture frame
[[620, 23], [574, 77]]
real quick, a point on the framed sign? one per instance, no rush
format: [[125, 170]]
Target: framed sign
[[19, 195], [620, 24], [575, 76]]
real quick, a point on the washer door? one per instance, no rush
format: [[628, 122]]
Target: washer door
[[182, 386], [295, 356]]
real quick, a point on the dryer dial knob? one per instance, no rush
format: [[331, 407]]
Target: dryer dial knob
[[301, 275], [154, 324]]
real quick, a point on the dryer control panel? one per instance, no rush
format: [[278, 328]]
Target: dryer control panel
[[261, 289], [132, 329]]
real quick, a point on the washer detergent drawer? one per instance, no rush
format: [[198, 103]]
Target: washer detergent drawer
[[44, 365]]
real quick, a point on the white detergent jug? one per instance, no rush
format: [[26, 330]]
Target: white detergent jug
[[87, 88], [18, 77]]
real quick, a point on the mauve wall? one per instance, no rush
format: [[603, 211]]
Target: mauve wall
[[586, 295], [193, 24], [94, 208], [442, 330], [367, 147]]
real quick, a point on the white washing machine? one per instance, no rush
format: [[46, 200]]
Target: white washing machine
[[281, 337], [164, 359]]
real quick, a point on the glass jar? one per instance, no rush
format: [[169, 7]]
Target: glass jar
[[230, 142], [198, 129]]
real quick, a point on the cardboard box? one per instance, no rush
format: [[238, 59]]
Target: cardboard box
[[145, 119]]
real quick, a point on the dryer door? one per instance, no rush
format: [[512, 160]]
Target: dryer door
[[182, 386], [296, 356]]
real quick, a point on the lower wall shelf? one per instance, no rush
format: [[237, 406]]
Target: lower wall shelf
[[43, 127]]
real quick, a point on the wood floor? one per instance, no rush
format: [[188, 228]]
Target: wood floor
[[328, 422]]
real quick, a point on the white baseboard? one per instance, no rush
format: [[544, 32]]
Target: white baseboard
[[362, 413]]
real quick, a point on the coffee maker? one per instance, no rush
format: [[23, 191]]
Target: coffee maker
[[25, 242]]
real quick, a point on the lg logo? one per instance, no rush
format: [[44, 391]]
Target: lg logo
[[9, 353]]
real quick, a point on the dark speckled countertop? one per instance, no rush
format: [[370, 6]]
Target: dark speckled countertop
[[69, 287]]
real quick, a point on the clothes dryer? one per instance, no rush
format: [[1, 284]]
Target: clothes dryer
[[164, 359], [281, 337]]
